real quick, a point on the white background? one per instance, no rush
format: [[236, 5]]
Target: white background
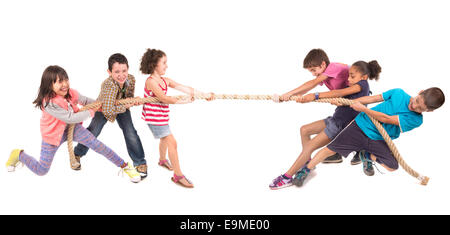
[[231, 150]]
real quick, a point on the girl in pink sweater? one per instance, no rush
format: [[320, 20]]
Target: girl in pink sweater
[[59, 107]]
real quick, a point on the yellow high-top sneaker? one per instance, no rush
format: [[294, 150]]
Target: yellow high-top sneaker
[[13, 160]]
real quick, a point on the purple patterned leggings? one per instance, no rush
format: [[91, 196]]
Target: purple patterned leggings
[[80, 135]]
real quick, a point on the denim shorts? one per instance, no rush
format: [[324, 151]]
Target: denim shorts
[[332, 127], [160, 131]]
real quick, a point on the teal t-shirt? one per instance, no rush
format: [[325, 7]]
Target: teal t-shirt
[[396, 102]]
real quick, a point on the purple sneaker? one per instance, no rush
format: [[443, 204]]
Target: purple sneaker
[[280, 182]]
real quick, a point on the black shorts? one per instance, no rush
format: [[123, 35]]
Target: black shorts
[[352, 138]]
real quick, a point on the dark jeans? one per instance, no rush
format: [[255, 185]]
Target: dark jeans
[[132, 140]]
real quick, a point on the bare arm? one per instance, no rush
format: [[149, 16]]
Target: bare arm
[[341, 92], [152, 85], [180, 87], [381, 117], [370, 99], [305, 87], [187, 89], [330, 94]]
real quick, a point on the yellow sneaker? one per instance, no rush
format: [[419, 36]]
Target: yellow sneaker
[[135, 177], [13, 160]]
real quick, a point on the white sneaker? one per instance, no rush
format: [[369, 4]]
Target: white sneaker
[[135, 177]]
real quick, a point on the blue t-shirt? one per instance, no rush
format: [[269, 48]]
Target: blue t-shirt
[[396, 102], [343, 115]]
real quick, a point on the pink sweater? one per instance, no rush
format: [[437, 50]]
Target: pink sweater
[[58, 113]]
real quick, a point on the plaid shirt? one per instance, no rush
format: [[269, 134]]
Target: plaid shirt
[[110, 92]]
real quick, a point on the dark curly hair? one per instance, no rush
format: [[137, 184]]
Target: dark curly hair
[[150, 60]]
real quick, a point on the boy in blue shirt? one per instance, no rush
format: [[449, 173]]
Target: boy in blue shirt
[[398, 112]]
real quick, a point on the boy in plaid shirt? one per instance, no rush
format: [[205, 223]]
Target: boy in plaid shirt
[[119, 85]]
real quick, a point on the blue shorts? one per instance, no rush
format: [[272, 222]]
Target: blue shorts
[[160, 131], [332, 127]]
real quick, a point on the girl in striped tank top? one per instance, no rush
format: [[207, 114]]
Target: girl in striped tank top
[[154, 62]]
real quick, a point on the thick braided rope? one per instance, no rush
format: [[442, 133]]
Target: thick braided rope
[[423, 179]]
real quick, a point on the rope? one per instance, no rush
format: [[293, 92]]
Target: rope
[[423, 179]]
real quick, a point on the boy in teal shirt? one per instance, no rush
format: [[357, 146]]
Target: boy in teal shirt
[[399, 112], [397, 102]]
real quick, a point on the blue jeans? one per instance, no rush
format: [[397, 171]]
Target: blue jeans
[[132, 140]]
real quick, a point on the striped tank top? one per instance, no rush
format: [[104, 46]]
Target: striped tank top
[[156, 114]]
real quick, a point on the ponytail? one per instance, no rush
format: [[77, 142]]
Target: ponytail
[[371, 69]]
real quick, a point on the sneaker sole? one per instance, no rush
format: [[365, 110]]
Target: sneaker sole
[[135, 180], [297, 182], [333, 161], [355, 163], [11, 168], [143, 176], [311, 175], [281, 187]]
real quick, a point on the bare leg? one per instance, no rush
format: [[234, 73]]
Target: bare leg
[[317, 142], [308, 130], [162, 150], [171, 144], [319, 157]]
